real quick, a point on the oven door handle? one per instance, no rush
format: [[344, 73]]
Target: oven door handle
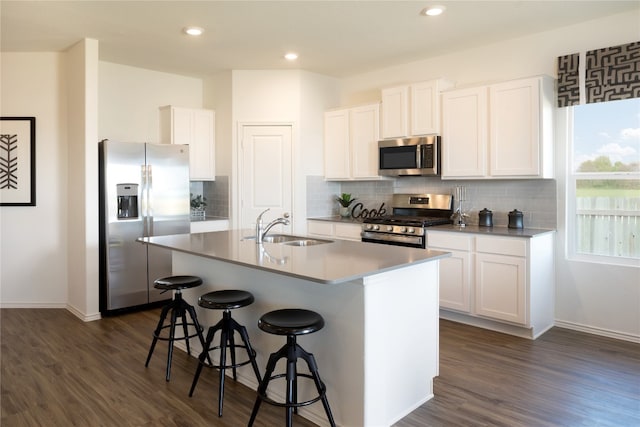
[[374, 237]]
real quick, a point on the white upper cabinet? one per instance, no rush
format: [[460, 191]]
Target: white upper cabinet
[[395, 112], [351, 143], [336, 145], [412, 110], [464, 133], [521, 128], [195, 127], [504, 130]]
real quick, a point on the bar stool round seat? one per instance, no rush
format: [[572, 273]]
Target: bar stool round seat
[[225, 300], [179, 309], [176, 283], [291, 322]]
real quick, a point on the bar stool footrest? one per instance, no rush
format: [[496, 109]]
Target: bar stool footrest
[[266, 399], [165, 338], [237, 365]]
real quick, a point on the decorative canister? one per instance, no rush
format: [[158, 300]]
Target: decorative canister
[[485, 218], [516, 219]]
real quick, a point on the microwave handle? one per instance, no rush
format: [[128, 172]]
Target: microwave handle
[[420, 156]]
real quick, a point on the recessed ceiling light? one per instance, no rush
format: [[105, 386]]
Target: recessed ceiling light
[[433, 10], [193, 31], [291, 56]]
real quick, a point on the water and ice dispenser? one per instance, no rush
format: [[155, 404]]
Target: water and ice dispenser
[[127, 201]]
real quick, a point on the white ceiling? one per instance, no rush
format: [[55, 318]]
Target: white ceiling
[[337, 38]]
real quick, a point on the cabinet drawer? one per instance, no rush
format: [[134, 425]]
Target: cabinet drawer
[[321, 228], [449, 241], [502, 245], [348, 231]]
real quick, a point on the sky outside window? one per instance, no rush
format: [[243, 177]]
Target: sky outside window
[[610, 129]]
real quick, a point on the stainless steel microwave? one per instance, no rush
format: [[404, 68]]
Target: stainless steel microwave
[[419, 156]]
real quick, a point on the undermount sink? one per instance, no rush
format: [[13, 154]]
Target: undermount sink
[[307, 242], [289, 240]]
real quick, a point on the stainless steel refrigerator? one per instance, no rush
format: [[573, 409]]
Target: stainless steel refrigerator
[[144, 191]]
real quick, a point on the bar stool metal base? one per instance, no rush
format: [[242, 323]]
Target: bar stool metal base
[[291, 351], [227, 326], [179, 309]]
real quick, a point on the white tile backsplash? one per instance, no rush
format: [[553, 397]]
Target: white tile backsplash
[[535, 198], [216, 194]]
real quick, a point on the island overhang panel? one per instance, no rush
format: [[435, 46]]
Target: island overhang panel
[[378, 352]]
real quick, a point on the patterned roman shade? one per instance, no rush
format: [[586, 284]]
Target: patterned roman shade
[[613, 73], [610, 74], [568, 80]]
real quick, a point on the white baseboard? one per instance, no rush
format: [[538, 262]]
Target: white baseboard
[[528, 333], [479, 322], [598, 331], [82, 316]]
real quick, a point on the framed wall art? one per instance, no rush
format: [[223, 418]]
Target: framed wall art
[[17, 161]]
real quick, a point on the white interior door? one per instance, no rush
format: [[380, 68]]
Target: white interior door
[[266, 171]]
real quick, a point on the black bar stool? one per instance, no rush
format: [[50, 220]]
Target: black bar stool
[[291, 322], [179, 309], [226, 300]]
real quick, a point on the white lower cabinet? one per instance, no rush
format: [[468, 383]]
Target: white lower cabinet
[[334, 230], [455, 271], [499, 282], [501, 287]]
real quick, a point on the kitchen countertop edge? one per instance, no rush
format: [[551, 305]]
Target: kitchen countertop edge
[[336, 218], [473, 229], [493, 231], [215, 245]]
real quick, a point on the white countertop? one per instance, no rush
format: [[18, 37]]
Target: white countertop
[[334, 262]]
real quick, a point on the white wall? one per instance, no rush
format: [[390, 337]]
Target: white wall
[[129, 99], [218, 97], [81, 74], [521, 57], [49, 253], [319, 94], [33, 240], [597, 298], [290, 96]]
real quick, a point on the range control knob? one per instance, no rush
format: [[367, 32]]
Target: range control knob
[[389, 227], [376, 227], [411, 230], [368, 226], [403, 229]]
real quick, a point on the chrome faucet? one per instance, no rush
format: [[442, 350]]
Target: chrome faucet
[[262, 230]]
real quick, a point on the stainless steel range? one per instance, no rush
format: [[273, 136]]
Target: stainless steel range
[[412, 213]]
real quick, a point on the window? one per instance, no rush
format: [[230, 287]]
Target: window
[[604, 182]]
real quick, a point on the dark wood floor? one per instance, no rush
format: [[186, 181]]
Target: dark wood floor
[[59, 371]]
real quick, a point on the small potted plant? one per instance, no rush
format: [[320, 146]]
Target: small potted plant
[[345, 201], [198, 205]]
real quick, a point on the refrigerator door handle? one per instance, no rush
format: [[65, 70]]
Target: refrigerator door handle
[[144, 196], [149, 187]]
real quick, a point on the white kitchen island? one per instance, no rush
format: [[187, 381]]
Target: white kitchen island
[[378, 351]]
